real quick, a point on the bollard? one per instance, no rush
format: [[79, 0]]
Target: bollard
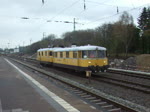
[[88, 75]]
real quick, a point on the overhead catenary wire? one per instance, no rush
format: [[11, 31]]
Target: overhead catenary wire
[[70, 6], [61, 11], [102, 3], [83, 11], [116, 14], [97, 19], [47, 20]]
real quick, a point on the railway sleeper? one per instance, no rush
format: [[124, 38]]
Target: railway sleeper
[[85, 96], [97, 100], [90, 98], [72, 88], [107, 107], [101, 103], [78, 92], [115, 110], [75, 90], [81, 94]]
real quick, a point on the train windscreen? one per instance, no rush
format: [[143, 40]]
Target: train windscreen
[[101, 54], [94, 54]]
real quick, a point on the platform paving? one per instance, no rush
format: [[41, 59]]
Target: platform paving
[[16, 93], [0, 106]]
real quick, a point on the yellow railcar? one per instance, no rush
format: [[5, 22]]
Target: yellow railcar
[[81, 58]]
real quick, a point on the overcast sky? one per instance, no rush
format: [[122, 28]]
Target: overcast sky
[[15, 31]]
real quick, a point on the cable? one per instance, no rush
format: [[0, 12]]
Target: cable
[[42, 24], [101, 3], [64, 9], [90, 8], [116, 14]]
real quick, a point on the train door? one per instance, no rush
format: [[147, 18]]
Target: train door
[[39, 56], [75, 58], [50, 56], [79, 59]]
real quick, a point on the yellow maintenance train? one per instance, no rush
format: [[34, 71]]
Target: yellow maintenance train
[[80, 58]]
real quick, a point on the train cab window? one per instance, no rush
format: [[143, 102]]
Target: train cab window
[[39, 53], [61, 54], [101, 53], [50, 53], [45, 53], [42, 53], [92, 54], [67, 54], [75, 54], [55, 54], [79, 54], [84, 54]]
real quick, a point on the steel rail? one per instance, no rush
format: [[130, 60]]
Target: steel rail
[[124, 84], [137, 74]]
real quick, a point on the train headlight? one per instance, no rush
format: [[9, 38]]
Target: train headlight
[[89, 62], [104, 61]]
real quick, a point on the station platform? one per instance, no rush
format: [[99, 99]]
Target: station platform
[[22, 91]]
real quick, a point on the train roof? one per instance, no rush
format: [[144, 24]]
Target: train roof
[[80, 48], [48, 49], [75, 48]]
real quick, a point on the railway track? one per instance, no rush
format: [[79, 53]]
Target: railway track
[[123, 83], [130, 73], [118, 82], [106, 103]]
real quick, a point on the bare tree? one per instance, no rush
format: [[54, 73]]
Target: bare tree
[[123, 30]]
